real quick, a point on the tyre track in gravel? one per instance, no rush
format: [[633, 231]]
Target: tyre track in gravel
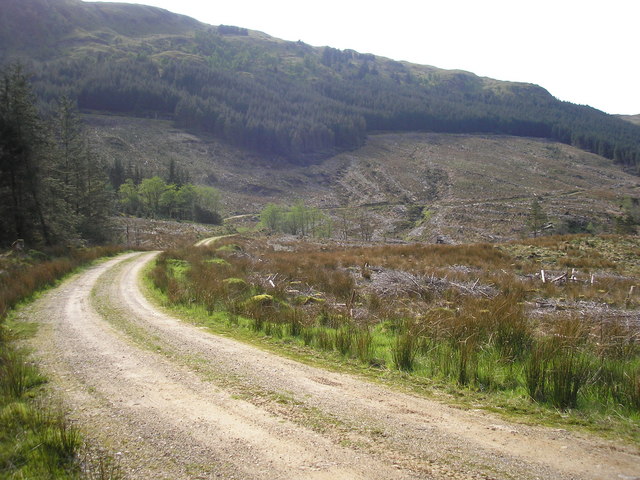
[[178, 402]]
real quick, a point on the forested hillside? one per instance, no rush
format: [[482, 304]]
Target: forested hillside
[[284, 99], [55, 188]]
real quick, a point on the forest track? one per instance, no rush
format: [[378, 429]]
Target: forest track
[[176, 402], [207, 242]]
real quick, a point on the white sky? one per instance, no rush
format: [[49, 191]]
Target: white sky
[[583, 51]]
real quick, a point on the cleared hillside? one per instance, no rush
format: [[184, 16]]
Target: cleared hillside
[[415, 186]]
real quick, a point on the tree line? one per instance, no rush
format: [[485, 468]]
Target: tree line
[[298, 219], [304, 221], [155, 198]]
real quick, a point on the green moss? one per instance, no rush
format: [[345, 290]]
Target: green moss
[[217, 261], [263, 299], [308, 300], [235, 283], [232, 247]]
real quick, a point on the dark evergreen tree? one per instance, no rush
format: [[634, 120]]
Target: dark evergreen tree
[[83, 181], [52, 189], [117, 174], [23, 157]]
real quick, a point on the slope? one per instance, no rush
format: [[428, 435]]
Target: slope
[[279, 99], [45, 28], [635, 119], [416, 186]]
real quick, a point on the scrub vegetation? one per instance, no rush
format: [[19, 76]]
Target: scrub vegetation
[[476, 318]]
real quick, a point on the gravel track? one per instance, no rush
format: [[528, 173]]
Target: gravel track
[[176, 402]]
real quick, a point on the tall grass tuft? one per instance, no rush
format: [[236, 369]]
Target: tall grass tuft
[[468, 361], [17, 376], [512, 332], [536, 370], [620, 383], [343, 339], [569, 372], [293, 317], [324, 340], [404, 350], [629, 390], [363, 344]]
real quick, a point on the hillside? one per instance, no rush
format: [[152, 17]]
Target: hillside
[[47, 28], [279, 99], [474, 187]]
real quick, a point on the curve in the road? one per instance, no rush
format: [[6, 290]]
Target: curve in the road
[[178, 402]]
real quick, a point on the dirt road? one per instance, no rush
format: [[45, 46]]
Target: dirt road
[[174, 402]]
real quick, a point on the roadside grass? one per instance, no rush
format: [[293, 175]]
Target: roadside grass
[[219, 322], [36, 440], [461, 324], [22, 276]]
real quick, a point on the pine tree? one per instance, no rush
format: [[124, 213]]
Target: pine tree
[[52, 187], [82, 177], [22, 155]]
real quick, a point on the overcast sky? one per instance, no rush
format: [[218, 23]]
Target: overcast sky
[[586, 52]]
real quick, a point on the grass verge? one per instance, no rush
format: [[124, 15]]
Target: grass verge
[[36, 440]]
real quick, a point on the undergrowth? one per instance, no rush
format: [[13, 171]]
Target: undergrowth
[[459, 316]]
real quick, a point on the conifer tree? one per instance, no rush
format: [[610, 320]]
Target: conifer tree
[[23, 154], [52, 188], [537, 217]]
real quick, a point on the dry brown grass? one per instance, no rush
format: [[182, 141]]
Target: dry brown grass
[[23, 275]]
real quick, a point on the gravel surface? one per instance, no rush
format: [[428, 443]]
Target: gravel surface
[[175, 402]]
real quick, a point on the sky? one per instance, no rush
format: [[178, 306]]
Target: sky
[[585, 52]]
